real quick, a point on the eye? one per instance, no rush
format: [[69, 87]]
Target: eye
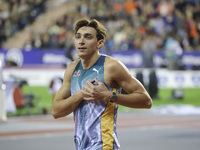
[[88, 37], [77, 36]]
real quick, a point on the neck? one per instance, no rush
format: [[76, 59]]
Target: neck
[[89, 62]]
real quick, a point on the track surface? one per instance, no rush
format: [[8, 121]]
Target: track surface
[[136, 131]]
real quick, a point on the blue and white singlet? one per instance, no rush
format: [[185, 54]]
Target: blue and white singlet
[[95, 121]]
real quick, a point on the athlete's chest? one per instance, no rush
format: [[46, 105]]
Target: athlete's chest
[[81, 76]]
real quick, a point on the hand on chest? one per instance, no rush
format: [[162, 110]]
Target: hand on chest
[[94, 72]]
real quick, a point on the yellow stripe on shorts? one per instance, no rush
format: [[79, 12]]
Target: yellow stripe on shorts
[[107, 122]]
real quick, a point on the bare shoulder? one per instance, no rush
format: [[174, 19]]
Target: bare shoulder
[[110, 61], [109, 58], [112, 64], [73, 64], [118, 75], [115, 72], [70, 69]]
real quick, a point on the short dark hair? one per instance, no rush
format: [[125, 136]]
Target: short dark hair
[[100, 29]]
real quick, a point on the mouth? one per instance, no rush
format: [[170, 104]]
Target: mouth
[[82, 48]]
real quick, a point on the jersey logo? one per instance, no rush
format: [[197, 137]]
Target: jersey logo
[[94, 69], [77, 73]]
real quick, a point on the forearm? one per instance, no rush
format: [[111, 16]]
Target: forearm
[[135, 100], [66, 106]]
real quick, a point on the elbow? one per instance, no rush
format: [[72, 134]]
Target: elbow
[[55, 117], [58, 114], [149, 104], [55, 114]]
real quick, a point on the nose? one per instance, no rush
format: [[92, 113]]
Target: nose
[[81, 41]]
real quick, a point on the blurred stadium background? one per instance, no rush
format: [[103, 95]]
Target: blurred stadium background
[[158, 40]]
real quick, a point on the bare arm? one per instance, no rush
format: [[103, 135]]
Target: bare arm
[[137, 96], [64, 103], [116, 75]]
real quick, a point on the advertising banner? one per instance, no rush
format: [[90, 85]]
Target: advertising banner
[[33, 58], [131, 58]]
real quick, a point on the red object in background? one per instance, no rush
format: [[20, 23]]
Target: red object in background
[[130, 6], [18, 97]]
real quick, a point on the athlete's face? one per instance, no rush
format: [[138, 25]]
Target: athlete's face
[[86, 42]]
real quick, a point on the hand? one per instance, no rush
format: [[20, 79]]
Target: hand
[[95, 92]]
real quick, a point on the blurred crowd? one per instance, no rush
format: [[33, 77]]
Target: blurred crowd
[[16, 14], [131, 24], [146, 25]]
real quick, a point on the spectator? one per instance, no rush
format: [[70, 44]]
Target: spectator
[[127, 22], [173, 52], [16, 14], [149, 47]]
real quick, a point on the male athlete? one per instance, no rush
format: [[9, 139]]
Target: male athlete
[[91, 90]]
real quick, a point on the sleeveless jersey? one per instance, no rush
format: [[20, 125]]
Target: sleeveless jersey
[[95, 121]]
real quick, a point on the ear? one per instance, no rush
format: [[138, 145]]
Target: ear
[[100, 43]]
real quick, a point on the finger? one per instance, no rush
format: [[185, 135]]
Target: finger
[[87, 88], [98, 81], [93, 81], [90, 84], [88, 98], [86, 93]]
